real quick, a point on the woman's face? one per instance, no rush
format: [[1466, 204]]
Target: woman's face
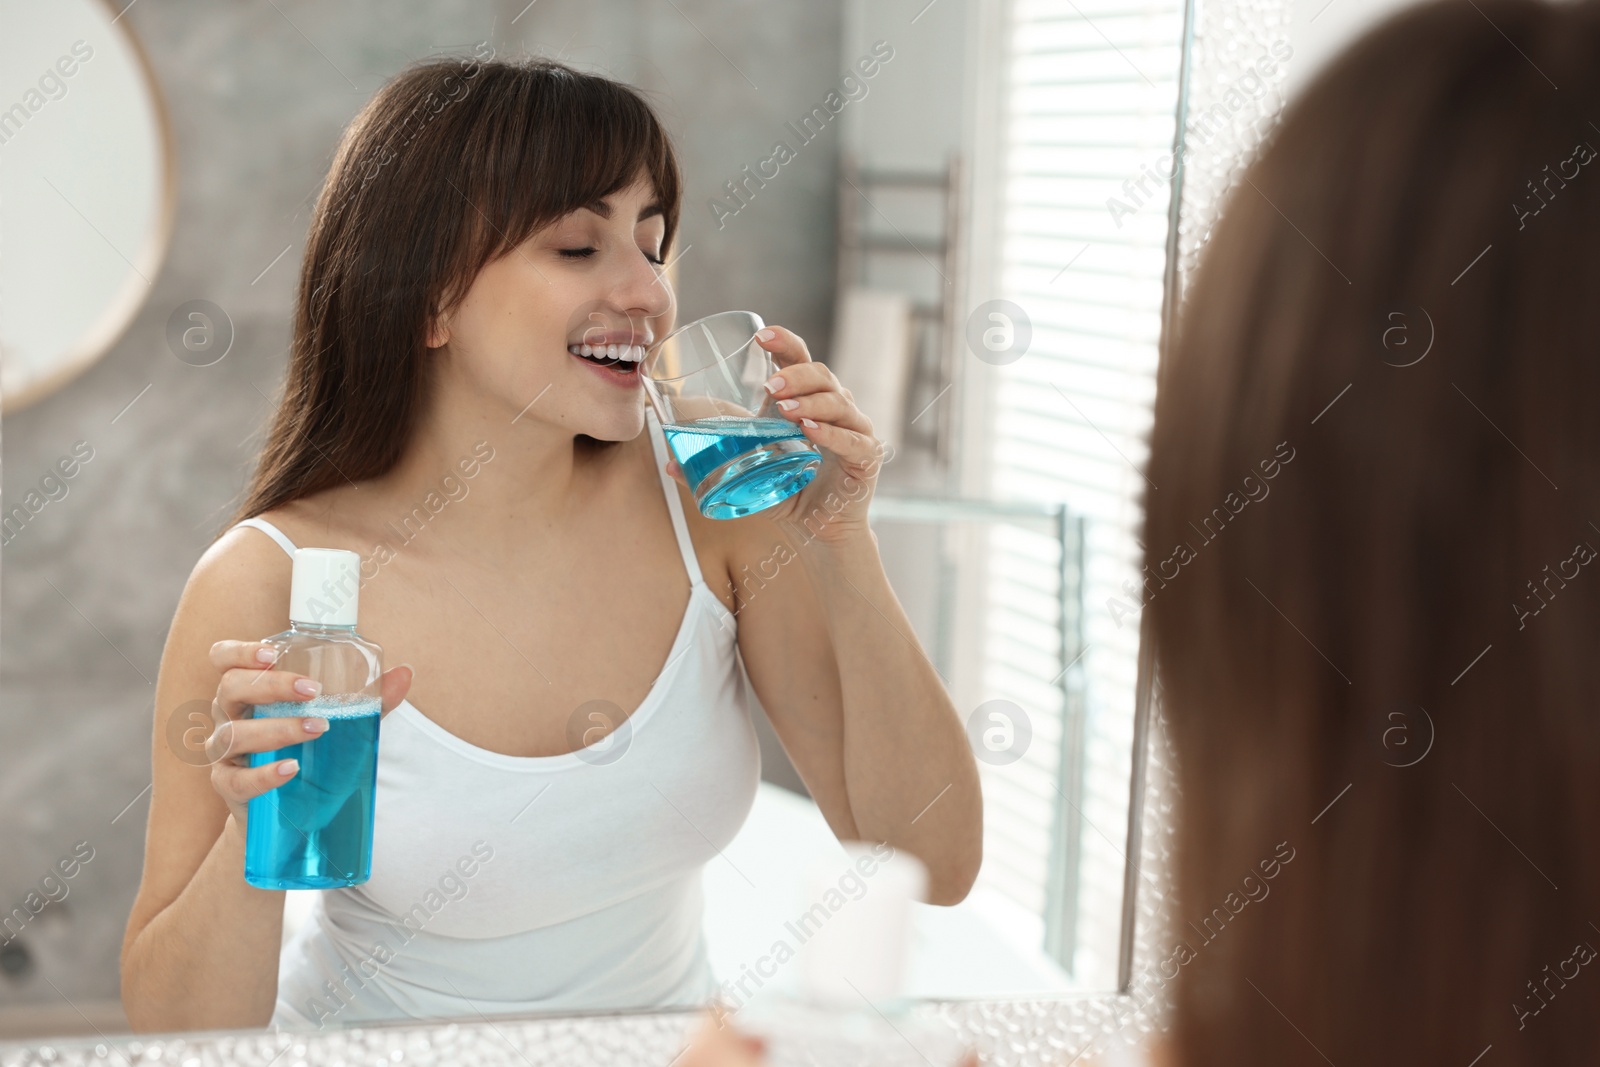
[[592, 278]]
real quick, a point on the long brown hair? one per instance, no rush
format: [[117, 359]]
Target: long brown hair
[[1375, 617], [453, 163]]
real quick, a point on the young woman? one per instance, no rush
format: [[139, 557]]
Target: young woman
[[532, 559], [1384, 667]]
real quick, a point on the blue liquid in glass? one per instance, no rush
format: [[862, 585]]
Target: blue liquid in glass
[[315, 830], [738, 465]]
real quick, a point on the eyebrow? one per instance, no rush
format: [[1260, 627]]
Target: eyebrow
[[603, 209]]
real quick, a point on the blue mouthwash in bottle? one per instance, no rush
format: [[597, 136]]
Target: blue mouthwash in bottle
[[315, 830]]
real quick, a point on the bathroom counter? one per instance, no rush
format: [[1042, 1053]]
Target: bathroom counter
[[653, 1038]]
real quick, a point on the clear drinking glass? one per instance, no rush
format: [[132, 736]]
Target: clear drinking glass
[[706, 382]]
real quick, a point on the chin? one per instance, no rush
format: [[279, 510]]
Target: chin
[[616, 427]]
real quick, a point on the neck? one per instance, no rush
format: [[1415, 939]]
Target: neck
[[488, 477]]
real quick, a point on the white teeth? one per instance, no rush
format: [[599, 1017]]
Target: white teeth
[[626, 353]]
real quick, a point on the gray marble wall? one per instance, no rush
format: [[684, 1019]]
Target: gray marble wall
[[259, 91]]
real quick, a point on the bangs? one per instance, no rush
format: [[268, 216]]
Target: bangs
[[550, 141]]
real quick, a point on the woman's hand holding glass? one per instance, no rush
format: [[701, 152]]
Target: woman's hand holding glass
[[833, 507]]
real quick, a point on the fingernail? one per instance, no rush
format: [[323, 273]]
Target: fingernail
[[774, 383], [765, 335], [306, 687], [808, 423], [788, 405], [288, 767], [266, 655], [315, 725]]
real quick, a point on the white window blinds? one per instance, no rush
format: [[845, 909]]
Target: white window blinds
[[1091, 91]]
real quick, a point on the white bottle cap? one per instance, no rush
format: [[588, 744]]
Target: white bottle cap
[[325, 586]]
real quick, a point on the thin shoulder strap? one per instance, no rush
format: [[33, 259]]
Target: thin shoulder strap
[[267, 527], [691, 562]]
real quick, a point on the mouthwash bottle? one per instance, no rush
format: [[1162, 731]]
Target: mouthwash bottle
[[315, 830]]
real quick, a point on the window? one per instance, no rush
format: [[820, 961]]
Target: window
[[1090, 98]]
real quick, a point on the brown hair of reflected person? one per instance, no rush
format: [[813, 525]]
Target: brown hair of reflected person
[[1388, 656], [452, 164]]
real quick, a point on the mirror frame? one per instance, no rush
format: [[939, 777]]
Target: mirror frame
[[1007, 1031], [117, 316]]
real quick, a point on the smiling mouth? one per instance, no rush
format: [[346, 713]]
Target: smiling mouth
[[622, 358]]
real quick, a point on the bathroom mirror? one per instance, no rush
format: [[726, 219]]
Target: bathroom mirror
[[1034, 276], [87, 190]]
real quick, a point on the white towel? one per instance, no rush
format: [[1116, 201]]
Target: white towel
[[872, 356]]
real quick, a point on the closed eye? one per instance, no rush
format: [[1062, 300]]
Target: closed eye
[[585, 253]]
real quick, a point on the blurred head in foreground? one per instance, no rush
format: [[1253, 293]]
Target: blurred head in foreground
[[1372, 576]]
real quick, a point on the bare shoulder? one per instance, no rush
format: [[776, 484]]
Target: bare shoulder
[[244, 567], [715, 540], [237, 590], [739, 547]]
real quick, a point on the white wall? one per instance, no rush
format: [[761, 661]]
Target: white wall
[[1321, 29], [920, 104]]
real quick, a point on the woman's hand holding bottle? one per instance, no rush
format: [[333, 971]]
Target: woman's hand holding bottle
[[248, 679]]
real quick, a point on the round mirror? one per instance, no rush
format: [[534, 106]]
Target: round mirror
[[86, 189]]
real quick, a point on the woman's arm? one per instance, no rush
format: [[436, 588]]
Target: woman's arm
[[209, 959], [861, 711], [201, 946], [853, 697]]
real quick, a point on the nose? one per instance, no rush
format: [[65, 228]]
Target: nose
[[644, 291]]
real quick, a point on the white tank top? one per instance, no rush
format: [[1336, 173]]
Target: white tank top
[[542, 883]]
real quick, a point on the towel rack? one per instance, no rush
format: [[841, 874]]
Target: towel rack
[[931, 417]]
